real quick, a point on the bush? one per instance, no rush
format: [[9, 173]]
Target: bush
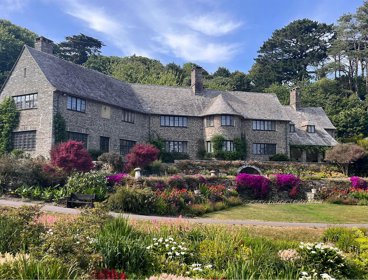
[[116, 179], [123, 248], [113, 160], [279, 157], [88, 183], [358, 183], [141, 155], [172, 156], [139, 201], [94, 153], [256, 186], [289, 183], [71, 156], [176, 181]]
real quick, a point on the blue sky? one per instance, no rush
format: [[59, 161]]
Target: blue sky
[[211, 33]]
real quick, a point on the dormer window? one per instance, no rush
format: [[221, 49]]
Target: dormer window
[[291, 127], [311, 128]]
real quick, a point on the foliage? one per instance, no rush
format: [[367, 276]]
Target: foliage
[[77, 48], [279, 157], [114, 160], [59, 128], [256, 186], [18, 229], [344, 155], [116, 179], [141, 155], [177, 182], [88, 183], [94, 153], [109, 274], [358, 183], [9, 120], [71, 156], [123, 248], [12, 40]]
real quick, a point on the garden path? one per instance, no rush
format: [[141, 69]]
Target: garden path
[[62, 210]]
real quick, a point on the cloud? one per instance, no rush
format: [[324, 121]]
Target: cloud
[[159, 30], [212, 24], [10, 6]]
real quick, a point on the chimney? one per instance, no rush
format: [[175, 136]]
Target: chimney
[[196, 79], [44, 45], [295, 98]]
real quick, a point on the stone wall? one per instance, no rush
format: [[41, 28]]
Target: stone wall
[[103, 120], [28, 78], [228, 132]]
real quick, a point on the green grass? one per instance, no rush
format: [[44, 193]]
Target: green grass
[[307, 213]]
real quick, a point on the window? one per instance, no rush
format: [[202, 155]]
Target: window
[[24, 140], [80, 137], [264, 125], [128, 116], [176, 146], [210, 121], [228, 146], [264, 149], [125, 146], [173, 121], [24, 72], [209, 147], [227, 120], [104, 144], [27, 101], [291, 127], [76, 104], [311, 128]]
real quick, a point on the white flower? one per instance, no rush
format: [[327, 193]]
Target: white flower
[[173, 248], [303, 273], [154, 239], [155, 244], [148, 248], [208, 266]]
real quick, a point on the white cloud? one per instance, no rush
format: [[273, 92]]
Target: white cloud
[[9, 6], [212, 24]]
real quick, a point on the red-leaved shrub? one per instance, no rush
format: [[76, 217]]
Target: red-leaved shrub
[[141, 155], [256, 186], [71, 156], [109, 274]]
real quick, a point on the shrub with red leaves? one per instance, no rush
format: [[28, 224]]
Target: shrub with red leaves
[[71, 156], [141, 155], [109, 274], [256, 186]]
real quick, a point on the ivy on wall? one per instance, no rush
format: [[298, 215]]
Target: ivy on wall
[[59, 128], [9, 120], [240, 148]]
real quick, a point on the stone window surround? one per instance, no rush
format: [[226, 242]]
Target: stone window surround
[[26, 101], [25, 140]]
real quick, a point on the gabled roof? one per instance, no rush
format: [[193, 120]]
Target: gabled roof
[[219, 106], [80, 81], [313, 116]]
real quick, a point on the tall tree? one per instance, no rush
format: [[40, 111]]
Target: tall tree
[[12, 39], [78, 48], [292, 50]]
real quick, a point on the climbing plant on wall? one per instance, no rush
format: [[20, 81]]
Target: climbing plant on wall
[[9, 120], [59, 128]]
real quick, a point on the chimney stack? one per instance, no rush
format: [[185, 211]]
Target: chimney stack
[[44, 45], [196, 79], [295, 98]]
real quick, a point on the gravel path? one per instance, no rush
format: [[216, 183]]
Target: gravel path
[[63, 210]]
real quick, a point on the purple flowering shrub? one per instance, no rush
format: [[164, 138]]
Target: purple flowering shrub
[[289, 183], [256, 186], [177, 182], [116, 179], [358, 183]]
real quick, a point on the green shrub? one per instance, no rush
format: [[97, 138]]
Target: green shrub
[[279, 157], [135, 200], [24, 267], [114, 160], [18, 229], [123, 248], [94, 153], [88, 183]]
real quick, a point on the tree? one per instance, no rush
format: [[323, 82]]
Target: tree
[[100, 63], [77, 48], [282, 92], [344, 155], [12, 39], [222, 72], [141, 155], [290, 52], [9, 120]]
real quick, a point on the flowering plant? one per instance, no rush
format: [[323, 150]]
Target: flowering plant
[[358, 183], [116, 179], [176, 181], [216, 193], [109, 274], [257, 185]]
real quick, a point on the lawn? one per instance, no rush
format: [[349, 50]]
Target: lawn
[[308, 213]]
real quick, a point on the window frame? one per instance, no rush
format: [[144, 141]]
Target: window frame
[[228, 146], [27, 143], [78, 136], [210, 121], [291, 127], [128, 145], [227, 120], [267, 149], [311, 128], [264, 125], [209, 147], [173, 121], [174, 146], [27, 101], [76, 104], [103, 144], [128, 116]]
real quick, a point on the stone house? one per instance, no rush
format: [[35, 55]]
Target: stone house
[[110, 115]]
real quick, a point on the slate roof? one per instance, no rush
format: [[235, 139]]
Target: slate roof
[[310, 116]]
